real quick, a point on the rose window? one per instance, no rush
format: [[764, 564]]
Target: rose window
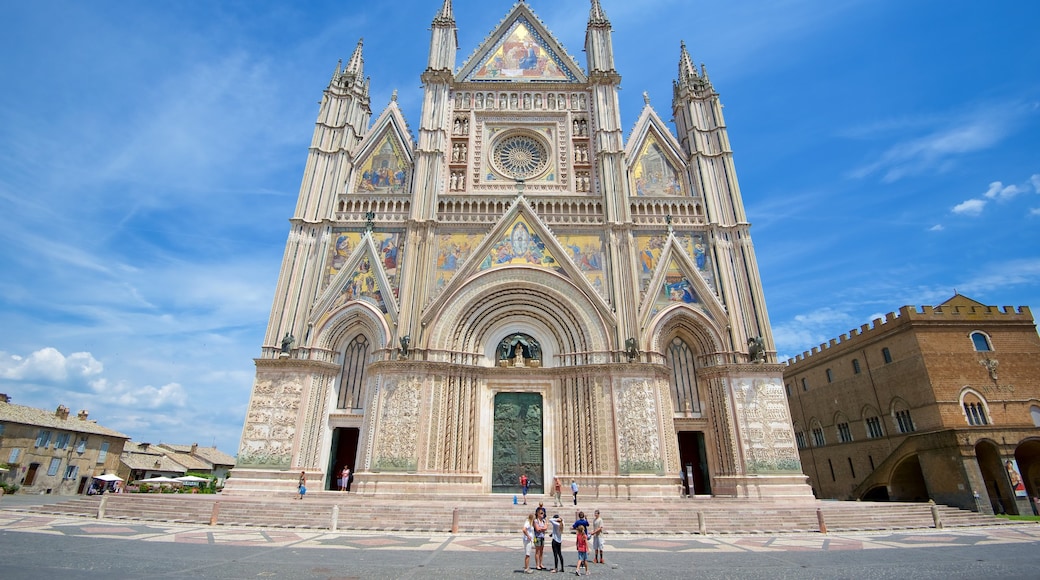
[[520, 156]]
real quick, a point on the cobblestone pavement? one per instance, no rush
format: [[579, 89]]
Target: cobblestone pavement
[[126, 549]]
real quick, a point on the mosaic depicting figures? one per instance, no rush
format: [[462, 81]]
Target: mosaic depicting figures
[[522, 55], [676, 288], [452, 252], [587, 253], [384, 171], [362, 285], [654, 173], [387, 245], [694, 245], [519, 246]]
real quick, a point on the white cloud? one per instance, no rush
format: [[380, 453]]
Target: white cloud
[[950, 137], [807, 330], [1000, 192], [1034, 211], [1002, 276], [147, 397], [48, 364], [936, 228], [972, 207], [1035, 181]]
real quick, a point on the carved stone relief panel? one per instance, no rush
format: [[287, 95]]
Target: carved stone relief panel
[[267, 439], [638, 420], [398, 430], [764, 423]]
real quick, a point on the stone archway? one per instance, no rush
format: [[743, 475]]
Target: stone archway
[[907, 483], [995, 477], [1027, 455]]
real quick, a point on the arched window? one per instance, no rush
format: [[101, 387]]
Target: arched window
[[817, 434], [352, 375], [886, 354], [841, 422], [830, 376], [872, 421], [974, 408], [901, 413], [684, 377], [855, 366], [981, 342]]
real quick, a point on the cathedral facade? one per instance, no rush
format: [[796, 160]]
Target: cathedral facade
[[520, 289]]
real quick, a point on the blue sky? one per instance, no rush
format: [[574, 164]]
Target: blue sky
[[888, 153]]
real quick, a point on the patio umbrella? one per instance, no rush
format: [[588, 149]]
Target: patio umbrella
[[108, 477], [159, 479], [191, 479]]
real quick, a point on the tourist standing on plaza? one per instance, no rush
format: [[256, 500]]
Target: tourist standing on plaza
[[528, 531], [557, 542], [597, 539], [581, 521], [302, 484], [574, 491], [583, 552], [523, 486], [343, 475], [540, 527], [557, 490]]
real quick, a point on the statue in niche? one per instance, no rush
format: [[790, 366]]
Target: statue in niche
[[756, 350], [405, 340], [287, 343], [630, 348], [518, 360]]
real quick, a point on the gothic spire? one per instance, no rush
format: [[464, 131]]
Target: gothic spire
[[598, 47], [446, 14], [686, 68], [356, 64], [597, 16], [444, 40]]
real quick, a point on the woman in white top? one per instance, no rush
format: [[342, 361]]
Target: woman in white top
[[528, 531]]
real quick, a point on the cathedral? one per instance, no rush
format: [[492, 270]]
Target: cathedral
[[520, 288]]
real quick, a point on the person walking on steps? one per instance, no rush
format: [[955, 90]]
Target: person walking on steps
[[574, 491], [523, 486], [301, 486], [557, 490]]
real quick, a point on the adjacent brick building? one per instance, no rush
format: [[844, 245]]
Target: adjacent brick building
[[939, 403]]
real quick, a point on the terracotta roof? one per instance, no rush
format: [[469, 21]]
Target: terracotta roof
[[144, 457], [210, 454], [48, 419]]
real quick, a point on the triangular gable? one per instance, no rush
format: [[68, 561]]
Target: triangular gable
[[342, 248], [962, 300], [676, 280], [655, 161], [384, 157], [521, 239], [521, 49], [362, 278]]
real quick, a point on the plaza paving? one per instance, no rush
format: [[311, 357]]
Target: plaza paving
[[43, 546]]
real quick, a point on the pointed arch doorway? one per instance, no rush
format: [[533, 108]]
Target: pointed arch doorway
[[517, 442]]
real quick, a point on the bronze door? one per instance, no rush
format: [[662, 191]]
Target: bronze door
[[518, 443]]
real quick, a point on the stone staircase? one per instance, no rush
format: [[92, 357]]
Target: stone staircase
[[497, 513]]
